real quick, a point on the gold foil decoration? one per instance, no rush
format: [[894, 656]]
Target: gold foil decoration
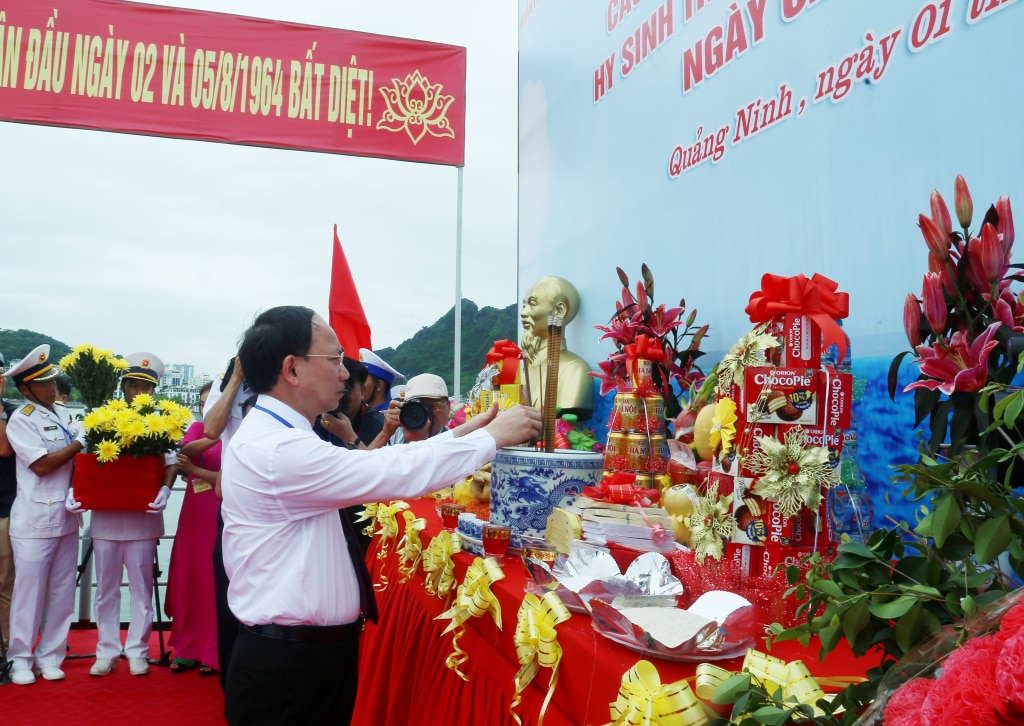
[[438, 568], [644, 701], [537, 646], [473, 599], [410, 549], [369, 514], [387, 530]]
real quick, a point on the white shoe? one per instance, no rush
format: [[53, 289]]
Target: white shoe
[[23, 677], [102, 667], [51, 673], [138, 666]]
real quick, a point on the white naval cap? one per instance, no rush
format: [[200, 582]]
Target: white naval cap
[[144, 366], [35, 366], [377, 366]]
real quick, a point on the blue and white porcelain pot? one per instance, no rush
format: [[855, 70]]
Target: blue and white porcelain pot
[[526, 485]]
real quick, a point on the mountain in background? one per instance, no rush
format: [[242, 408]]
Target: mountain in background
[[16, 344], [432, 349]]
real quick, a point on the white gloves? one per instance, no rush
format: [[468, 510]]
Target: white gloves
[[70, 504], [160, 504]]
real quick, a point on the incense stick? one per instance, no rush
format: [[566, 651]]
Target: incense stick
[[551, 392]]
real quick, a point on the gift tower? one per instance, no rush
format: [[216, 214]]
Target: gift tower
[[636, 451], [779, 421], [500, 381]]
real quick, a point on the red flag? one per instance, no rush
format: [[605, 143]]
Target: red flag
[[347, 317]]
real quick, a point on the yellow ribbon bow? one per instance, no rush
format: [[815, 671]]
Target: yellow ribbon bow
[[793, 678], [644, 701], [410, 549], [387, 530], [438, 567], [537, 645], [473, 599], [369, 514]]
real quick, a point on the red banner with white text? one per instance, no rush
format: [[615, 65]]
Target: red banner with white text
[[147, 69]]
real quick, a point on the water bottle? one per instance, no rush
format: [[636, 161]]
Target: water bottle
[[852, 507]]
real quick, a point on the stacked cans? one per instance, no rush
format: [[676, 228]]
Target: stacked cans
[[636, 437]]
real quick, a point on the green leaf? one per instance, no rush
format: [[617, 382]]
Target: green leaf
[[907, 628], [856, 619], [770, 715], [829, 636], [731, 688], [1013, 410], [894, 608], [945, 518], [828, 587], [992, 539], [894, 369]]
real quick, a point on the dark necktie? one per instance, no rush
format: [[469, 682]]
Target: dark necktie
[[367, 598]]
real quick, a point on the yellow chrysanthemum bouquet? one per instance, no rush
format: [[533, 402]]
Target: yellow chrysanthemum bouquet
[[94, 372], [147, 427]]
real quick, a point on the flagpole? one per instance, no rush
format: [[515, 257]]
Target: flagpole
[[458, 293]]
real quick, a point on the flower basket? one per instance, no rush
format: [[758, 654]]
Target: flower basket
[[125, 484]]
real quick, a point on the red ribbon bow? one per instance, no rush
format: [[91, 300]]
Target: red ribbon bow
[[508, 354], [816, 298], [620, 488], [645, 347]]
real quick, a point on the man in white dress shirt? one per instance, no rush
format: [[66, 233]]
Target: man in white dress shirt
[[294, 586], [43, 535], [126, 541]]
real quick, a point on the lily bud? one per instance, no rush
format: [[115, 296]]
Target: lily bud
[[990, 255], [940, 214], [962, 202], [977, 278], [1005, 224], [912, 320], [946, 270], [934, 302], [938, 243]]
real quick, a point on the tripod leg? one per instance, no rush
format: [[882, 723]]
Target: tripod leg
[[165, 659]]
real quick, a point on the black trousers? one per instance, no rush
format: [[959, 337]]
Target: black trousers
[[227, 624], [275, 681]]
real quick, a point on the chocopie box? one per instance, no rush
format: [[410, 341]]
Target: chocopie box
[[781, 395], [829, 437], [759, 521], [835, 399], [802, 342], [766, 559]]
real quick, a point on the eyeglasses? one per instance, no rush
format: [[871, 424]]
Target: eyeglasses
[[338, 360]]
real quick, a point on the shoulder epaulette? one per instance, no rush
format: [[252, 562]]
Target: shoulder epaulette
[[27, 409]]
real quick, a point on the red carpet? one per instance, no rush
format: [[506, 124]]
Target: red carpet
[[157, 699]]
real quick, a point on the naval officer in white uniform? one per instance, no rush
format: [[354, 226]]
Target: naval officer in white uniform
[[43, 535], [124, 540]]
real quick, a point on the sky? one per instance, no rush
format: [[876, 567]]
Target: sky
[[138, 243]]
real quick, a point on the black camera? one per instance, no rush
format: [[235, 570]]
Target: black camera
[[342, 408], [414, 414]]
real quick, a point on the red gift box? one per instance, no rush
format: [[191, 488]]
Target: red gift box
[[125, 484]]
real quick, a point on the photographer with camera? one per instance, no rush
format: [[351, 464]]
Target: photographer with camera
[[353, 423], [424, 411]]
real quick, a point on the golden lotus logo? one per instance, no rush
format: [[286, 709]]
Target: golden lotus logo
[[417, 107], [42, 357], [145, 362]]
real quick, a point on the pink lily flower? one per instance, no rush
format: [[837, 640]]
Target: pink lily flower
[[934, 302], [662, 320], [912, 320], [945, 270], [962, 201], [940, 214], [610, 381], [957, 365]]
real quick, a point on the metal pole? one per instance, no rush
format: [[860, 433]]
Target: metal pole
[[458, 293]]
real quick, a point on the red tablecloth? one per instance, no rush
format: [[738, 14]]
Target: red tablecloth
[[403, 678]]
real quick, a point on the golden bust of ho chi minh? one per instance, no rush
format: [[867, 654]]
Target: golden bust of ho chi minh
[[554, 296]]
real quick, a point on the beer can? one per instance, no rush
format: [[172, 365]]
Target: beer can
[[626, 412], [659, 453], [652, 414], [638, 452], [616, 451], [641, 374], [644, 480]]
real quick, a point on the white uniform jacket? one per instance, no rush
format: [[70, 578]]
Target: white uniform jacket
[[38, 510]]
